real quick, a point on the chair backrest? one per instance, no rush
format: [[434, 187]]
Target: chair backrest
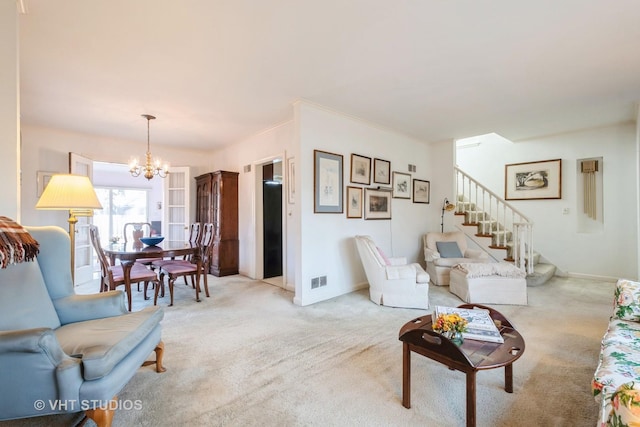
[[369, 252], [207, 234], [26, 293], [94, 235], [194, 233], [206, 243], [134, 230], [430, 240]]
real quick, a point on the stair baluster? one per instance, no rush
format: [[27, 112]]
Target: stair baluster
[[510, 228]]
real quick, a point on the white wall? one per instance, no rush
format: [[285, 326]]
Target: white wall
[[611, 253], [326, 243], [47, 149], [9, 112], [276, 142]]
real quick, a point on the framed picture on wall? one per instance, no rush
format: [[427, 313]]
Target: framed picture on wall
[[354, 202], [360, 169], [421, 190], [381, 171], [401, 185], [327, 182], [533, 180], [377, 204], [42, 180]]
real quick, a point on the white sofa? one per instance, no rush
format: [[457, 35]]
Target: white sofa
[[439, 264], [393, 282]]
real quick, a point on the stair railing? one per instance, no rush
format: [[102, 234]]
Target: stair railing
[[505, 224]]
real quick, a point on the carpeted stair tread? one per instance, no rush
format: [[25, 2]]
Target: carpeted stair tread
[[541, 274]]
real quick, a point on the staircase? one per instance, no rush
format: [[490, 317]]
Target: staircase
[[498, 228]]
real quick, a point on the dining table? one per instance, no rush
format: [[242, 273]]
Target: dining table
[[128, 253]]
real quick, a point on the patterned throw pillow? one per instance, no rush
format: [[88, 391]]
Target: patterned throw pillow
[[627, 300], [625, 403]]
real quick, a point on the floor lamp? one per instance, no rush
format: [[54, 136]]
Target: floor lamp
[[446, 207], [74, 193]]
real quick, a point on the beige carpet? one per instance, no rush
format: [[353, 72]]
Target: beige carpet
[[248, 357]]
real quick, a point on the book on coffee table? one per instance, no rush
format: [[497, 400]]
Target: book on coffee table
[[480, 325]]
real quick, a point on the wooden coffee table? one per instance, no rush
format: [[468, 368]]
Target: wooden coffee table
[[472, 356]]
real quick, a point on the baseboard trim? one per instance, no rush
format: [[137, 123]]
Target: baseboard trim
[[592, 277]]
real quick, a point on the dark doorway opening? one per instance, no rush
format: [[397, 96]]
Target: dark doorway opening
[[272, 223]]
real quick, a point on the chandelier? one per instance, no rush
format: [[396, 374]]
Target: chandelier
[[151, 168]]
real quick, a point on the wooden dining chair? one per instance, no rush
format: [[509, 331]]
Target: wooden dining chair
[[131, 233], [183, 268], [194, 239], [112, 276], [134, 230]]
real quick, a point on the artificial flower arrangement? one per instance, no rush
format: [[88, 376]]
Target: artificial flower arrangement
[[450, 325]]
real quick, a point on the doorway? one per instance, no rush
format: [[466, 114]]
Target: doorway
[[272, 220]]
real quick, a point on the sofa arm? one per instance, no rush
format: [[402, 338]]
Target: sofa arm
[[395, 272], [625, 405], [413, 271], [430, 255], [32, 355], [476, 253], [398, 261], [78, 308]]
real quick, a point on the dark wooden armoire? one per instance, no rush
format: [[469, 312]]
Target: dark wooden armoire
[[217, 202]]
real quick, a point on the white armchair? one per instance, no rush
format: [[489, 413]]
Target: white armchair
[[393, 282], [440, 261]]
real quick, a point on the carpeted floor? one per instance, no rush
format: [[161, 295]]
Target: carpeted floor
[[248, 357]]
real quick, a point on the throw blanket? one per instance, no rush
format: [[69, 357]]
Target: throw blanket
[[16, 244], [503, 269]]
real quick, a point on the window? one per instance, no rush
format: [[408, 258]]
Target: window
[[119, 206]]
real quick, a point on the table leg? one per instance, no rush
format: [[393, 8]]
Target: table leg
[[406, 375], [471, 399], [126, 271], [508, 378]]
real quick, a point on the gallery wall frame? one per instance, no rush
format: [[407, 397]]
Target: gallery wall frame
[[533, 180], [354, 202], [381, 171], [42, 179], [401, 185], [421, 191], [377, 204], [360, 169], [327, 182]]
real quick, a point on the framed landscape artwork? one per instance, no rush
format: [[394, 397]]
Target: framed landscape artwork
[[401, 185], [354, 202], [327, 182], [421, 191], [533, 180], [381, 171], [377, 204], [360, 169]]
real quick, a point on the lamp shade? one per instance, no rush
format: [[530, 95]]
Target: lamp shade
[[66, 191]]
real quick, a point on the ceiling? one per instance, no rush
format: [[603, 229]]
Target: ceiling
[[217, 71]]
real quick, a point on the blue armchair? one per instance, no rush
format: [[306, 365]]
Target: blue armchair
[[61, 352]]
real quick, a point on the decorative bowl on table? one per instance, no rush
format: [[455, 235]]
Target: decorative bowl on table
[[151, 241]]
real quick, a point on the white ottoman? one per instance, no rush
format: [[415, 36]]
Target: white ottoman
[[489, 283]]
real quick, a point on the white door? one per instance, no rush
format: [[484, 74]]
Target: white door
[[177, 212], [83, 251]]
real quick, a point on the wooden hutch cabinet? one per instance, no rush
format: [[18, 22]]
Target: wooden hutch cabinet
[[217, 202]]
